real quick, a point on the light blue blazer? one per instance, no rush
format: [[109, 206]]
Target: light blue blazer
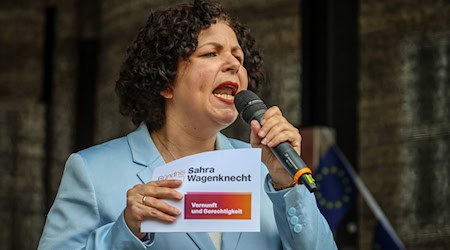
[[88, 210]]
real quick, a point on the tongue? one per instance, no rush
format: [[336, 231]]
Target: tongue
[[223, 90]]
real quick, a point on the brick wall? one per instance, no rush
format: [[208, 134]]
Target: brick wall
[[403, 108], [404, 118]]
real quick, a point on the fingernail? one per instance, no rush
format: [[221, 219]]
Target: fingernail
[[264, 141], [262, 133]]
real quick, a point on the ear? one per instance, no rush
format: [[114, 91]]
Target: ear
[[167, 93]]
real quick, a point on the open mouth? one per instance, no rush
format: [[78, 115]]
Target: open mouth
[[226, 90]]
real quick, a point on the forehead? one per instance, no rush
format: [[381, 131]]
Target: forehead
[[218, 32]]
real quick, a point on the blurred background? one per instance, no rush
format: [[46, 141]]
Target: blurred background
[[374, 72]]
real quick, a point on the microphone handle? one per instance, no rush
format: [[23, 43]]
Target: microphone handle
[[290, 160]]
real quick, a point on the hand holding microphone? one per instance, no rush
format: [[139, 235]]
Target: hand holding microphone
[[251, 107]]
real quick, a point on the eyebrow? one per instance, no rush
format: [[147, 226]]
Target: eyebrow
[[218, 45]]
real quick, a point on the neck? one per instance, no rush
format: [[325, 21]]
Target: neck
[[174, 143]]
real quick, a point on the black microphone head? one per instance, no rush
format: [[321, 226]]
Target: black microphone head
[[249, 106]]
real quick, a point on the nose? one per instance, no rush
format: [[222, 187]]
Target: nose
[[232, 64]]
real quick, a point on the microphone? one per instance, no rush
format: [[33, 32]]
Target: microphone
[[251, 107]]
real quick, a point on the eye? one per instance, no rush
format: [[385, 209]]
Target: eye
[[210, 54], [239, 58]]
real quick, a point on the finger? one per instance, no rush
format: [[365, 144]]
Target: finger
[[136, 210], [272, 127], [285, 136], [271, 118], [139, 212], [277, 129], [161, 206], [162, 189], [254, 138], [153, 213], [281, 132], [272, 111], [161, 193], [166, 183]]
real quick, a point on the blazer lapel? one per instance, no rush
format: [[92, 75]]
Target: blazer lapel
[[230, 240], [144, 152], [202, 240], [222, 142]]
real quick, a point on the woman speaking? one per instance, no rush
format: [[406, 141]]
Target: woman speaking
[[178, 86]]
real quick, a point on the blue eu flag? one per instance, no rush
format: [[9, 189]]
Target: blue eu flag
[[336, 189], [385, 239]]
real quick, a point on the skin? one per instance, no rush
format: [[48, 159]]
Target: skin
[[194, 115]]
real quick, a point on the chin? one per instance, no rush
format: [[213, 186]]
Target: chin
[[227, 121], [225, 118]]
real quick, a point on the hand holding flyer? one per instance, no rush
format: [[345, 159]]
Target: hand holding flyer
[[221, 192]]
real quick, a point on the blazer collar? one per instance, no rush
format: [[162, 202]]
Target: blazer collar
[[144, 152], [204, 242]]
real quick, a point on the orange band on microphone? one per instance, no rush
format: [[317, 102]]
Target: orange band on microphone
[[300, 173]]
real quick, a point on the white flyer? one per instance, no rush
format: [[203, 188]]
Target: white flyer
[[221, 192]]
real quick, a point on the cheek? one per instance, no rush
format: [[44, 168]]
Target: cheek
[[243, 77], [203, 79], [194, 77]]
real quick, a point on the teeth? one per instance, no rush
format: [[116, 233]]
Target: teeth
[[224, 96]]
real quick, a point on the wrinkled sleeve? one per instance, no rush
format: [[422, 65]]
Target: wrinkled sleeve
[[299, 221], [74, 222]]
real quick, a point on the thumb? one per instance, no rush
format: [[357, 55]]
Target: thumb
[[255, 140]]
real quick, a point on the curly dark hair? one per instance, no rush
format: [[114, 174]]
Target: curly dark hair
[[168, 36]]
